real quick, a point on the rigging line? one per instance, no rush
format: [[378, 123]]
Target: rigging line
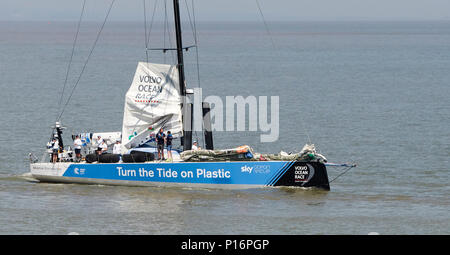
[[151, 24], [145, 30], [190, 20], [87, 60], [194, 30], [196, 43], [275, 48], [71, 56], [345, 171], [147, 42], [146, 52], [265, 23], [168, 32], [165, 28], [198, 72]]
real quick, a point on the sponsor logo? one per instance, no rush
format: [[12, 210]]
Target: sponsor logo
[[301, 173], [257, 169], [151, 88], [150, 79], [262, 169], [79, 171], [246, 169]]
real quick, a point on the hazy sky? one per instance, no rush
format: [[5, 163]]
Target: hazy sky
[[234, 10]]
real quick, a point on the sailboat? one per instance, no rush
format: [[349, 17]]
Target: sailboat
[[156, 100]]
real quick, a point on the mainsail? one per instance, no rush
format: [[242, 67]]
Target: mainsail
[[152, 102]]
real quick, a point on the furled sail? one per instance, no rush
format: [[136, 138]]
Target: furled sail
[[152, 102]]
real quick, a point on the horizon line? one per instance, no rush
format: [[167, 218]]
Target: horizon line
[[255, 21]]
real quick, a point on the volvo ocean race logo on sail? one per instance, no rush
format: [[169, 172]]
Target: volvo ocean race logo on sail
[[150, 87]]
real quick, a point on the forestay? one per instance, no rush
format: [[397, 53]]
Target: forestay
[[152, 101]]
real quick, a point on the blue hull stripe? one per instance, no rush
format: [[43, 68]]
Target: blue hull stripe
[[269, 183], [281, 173], [242, 172], [284, 171]]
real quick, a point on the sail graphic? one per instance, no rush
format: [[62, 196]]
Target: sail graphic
[[152, 102]]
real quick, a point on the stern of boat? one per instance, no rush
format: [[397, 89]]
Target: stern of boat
[[48, 171], [304, 174]]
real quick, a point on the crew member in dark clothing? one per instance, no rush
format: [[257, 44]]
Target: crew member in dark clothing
[[160, 137], [169, 145]]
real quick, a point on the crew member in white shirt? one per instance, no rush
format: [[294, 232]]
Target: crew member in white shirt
[[195, 146], [99, 140], [116, 148], [55, 148], [77, 143], [102, 148]]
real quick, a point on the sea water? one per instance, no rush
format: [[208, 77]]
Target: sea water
[[372, 93]]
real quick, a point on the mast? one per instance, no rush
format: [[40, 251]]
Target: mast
[[176, 9], [187, 124]]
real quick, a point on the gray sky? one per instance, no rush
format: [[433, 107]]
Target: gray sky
[[234, 10]]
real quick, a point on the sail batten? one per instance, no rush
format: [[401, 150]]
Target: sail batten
[[153, 101]]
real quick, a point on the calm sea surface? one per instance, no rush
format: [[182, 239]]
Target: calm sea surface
[[372, 93]]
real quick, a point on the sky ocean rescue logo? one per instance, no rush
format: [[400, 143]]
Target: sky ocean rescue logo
[[258, 169]]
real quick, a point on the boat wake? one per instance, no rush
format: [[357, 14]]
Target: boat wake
[[23, 177]]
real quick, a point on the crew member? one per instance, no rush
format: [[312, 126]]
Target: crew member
[[99, 139], [169, 145], [77, 143], [55, 148], [195, 146], [160, 137], [102, 148], [116, 148]]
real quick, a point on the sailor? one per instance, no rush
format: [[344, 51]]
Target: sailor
[[99, 139], [116, 148], [195, 146], [102, 148], [77, 143], [55, 148], [160, 137], [169, 145]]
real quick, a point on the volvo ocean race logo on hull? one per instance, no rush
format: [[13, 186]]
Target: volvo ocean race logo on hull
[[303, 173]]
